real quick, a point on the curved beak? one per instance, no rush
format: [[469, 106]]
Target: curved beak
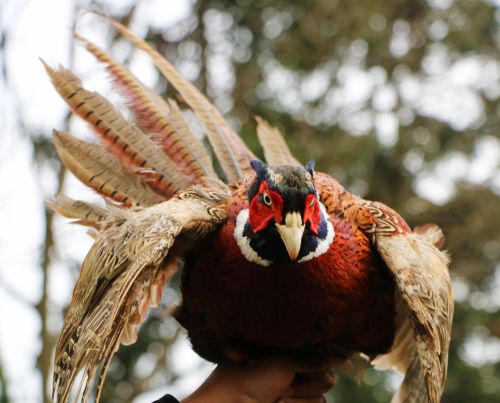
[[291, 233]]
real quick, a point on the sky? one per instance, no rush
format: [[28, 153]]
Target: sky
[[41, 29]]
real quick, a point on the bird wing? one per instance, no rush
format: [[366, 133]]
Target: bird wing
[[123, 274], [424, 303]]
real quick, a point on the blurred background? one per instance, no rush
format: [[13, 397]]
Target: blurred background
[[399, 100]]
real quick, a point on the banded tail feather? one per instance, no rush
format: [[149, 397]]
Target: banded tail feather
[[102, 171], [233, 155], [276, 150], [127, 142], [162, 120]]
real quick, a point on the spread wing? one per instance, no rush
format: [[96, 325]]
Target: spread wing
[[424, 304], [123, 274]]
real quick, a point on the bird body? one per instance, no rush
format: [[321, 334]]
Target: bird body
[[279, 258], [324, 308]]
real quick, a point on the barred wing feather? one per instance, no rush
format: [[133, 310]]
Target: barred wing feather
[[425, 307], [113, 291]]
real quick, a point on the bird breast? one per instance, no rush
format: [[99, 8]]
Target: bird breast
[[343, 297]]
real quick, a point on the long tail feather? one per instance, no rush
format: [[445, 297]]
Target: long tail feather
[[232, 153], [123, 139], [102, 171], [275, 149], [180, 125], [154, 115]]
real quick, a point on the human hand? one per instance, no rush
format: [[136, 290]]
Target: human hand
[[262, 382]]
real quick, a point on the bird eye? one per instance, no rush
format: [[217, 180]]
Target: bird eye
[[267, 199]]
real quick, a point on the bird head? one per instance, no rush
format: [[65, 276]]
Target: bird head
[[286, 220]]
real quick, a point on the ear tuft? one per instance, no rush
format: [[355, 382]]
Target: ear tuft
[[259, 167], [310, 167]]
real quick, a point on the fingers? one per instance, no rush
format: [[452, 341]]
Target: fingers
[[311, 384], [317, 399], [258, 381]]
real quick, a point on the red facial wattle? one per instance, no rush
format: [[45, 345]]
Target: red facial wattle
[[260, 213], [312, 213]]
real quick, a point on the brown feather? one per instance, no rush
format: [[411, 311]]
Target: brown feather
[[403, 348], [115, 277], [231, 152], [155, 116], [432, 233], [420, 271], [180, 125], [102, 171], [413, 388], [276, 150], [123, 139], [87, 214]]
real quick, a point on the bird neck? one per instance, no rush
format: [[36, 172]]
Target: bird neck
[[266, 247]]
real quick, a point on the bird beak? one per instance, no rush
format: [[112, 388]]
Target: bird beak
[[291, 233]]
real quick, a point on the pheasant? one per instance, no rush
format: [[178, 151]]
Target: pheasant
[[279, 259]]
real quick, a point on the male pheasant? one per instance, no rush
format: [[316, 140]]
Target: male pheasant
[[279, 258]]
